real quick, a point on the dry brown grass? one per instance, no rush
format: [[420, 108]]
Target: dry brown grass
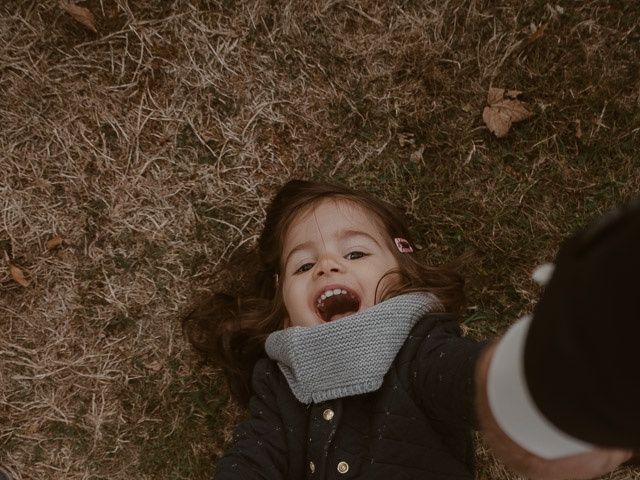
[[153, 147]]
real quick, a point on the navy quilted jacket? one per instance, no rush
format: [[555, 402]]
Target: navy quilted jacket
[[416, 426]]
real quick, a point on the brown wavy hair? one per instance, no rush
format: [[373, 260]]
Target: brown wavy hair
[[229, 328]]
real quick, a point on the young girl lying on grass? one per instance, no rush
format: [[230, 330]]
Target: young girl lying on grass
[[366, 374]]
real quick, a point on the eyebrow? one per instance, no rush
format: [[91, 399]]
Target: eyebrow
[[342, 234]]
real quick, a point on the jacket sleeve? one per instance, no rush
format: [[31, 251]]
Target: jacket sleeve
[[259, 448], [443, 375]]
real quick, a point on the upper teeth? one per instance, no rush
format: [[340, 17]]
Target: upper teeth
[[329, 293]]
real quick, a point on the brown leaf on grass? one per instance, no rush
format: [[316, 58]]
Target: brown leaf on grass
[[154, 366], [495, 95], [416, 156], [81, 14], [54, 242], [17, 275], [504, 109], [537, 34], [405, 139], [497, 120]]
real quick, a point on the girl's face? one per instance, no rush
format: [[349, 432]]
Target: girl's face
[[334, 255]]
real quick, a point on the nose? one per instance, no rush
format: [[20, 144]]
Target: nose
[[326, 264]]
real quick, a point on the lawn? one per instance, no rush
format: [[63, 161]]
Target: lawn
[[152, 145]]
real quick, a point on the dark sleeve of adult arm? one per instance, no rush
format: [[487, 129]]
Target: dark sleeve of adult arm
[[259, 449]]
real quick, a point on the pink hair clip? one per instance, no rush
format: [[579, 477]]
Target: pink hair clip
[[403, 245]]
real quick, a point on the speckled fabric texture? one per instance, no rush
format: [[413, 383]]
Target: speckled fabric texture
[[416, 426], [349, 356]]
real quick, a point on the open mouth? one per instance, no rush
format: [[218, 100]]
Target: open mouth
[[338, 305]]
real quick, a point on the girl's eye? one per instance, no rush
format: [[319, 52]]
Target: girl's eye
[[349, 256], [357, 255], [303, 268]]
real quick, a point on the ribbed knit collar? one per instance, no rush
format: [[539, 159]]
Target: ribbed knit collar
[[351, 355]]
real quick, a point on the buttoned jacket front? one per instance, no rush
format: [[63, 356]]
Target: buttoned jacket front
[[416, 426]]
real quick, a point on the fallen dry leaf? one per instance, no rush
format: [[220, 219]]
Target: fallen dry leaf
[[503, 110], [154, 366], [54, 242], [81, 14], [537, 34], [416, 156], [495, 95], [17, 275], [405, 139], [497, 120]]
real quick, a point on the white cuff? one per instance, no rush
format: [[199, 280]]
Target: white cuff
[[513, 407]]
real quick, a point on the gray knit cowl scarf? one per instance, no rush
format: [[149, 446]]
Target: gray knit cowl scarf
[[349, 356]]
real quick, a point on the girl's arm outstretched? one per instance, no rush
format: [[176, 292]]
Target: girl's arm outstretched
[[444, 372], [259, 449]]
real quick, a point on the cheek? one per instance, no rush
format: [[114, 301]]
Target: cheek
[[387, 263], [391, 265], [291, 298]]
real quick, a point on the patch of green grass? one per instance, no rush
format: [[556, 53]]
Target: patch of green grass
[[68, 435], [196, 262], [119, 324], [153, 251], [127, 264], [202, 422]]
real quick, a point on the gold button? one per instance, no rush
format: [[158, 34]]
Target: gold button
[[312, 467], [327, 414], [343, 467]]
